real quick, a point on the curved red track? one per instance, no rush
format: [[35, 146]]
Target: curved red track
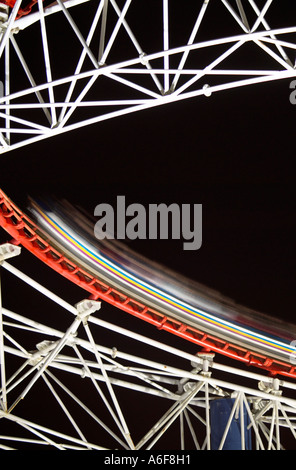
[[25, 232], [21, 11]]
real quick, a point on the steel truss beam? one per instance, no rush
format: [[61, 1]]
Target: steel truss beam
[[81, 380], [110, 71]]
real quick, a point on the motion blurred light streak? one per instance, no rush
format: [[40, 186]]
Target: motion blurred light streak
[[126, 275]]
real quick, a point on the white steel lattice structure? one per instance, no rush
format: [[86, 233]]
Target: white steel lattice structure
[[96, 60], [62, 382], [174, 400]]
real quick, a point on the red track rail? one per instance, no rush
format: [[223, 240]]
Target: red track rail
[[22, 11], [25, 232]]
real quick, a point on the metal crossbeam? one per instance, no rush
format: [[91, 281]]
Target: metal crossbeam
[[122, 63], [80, 358]]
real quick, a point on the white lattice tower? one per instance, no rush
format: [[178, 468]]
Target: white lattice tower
[[70, 389], [71, 64], [97, 60]]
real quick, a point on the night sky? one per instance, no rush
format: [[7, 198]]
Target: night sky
[[233, 153]]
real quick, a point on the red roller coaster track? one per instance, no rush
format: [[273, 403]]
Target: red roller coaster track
[[22, 11], [25, 232]]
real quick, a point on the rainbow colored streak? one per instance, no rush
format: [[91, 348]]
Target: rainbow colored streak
[[103, 264]]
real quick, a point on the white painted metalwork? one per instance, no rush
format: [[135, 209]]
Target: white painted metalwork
[[81, 378], [64, 383], [123, 56]]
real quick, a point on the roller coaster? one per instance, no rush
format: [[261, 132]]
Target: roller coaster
[[75, 367]]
